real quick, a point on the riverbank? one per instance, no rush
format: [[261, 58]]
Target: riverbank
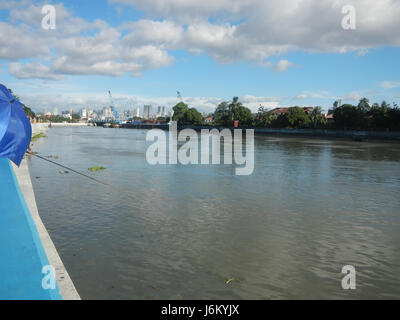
[[42, 250], [67, 124]]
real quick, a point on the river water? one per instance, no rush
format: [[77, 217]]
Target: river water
[[311, 207]]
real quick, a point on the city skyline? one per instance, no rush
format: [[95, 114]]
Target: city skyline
[[110, 112]]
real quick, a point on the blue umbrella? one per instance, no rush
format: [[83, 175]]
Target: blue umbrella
[[15, 128]]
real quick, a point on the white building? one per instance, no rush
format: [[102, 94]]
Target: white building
[[83, 113], [137, 112]]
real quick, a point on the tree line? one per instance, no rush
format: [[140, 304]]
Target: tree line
[[364, 116]]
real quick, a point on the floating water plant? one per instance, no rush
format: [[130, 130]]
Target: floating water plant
[[93, 169], [37, 136]]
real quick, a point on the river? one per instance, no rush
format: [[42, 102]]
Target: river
[[310, 207]]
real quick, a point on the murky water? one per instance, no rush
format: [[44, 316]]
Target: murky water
[[182, 232]]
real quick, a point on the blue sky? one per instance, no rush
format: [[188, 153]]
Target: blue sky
[[210, 51]]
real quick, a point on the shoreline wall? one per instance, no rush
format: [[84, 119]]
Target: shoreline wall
[[320, 133], [61, 124]]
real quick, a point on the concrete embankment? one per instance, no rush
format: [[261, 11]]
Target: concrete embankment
[[61, 124], [66, 287]]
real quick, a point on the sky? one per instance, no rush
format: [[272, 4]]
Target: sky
[[269, 53]]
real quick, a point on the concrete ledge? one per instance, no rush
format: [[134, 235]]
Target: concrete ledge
[[67, 288]]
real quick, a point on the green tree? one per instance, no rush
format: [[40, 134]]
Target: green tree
[[221, 113], [75, 117], [264, 118], [233, 110], [192, 117], [379, 115], [335, 104], [348, 116], [393, 115], [364, 105], [235, 104], [187, 116], [317, 119], [242, 114], [295, 117], [179, 111]]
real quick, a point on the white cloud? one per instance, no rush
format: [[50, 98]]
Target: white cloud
[[144, 32], [20, 43], [100, 50], [300, 96], [283, 65], [187, 10], [226, 30], [254, 102], [353, 96], [287, 25], [32, 70], [389, 84]]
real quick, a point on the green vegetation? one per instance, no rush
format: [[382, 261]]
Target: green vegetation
[[38, 136], [29, 113], [187, 116], [295, 117], [232, 110], [94, 169], [360, 117], [59, 119], [367, 117]]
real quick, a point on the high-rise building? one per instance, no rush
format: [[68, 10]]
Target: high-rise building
[[137, 112], [147, 112], [83, 113], [107, 114], [158, 112]]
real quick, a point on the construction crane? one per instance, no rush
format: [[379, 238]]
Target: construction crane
[[111, 99], [112, 106], [179, 96]]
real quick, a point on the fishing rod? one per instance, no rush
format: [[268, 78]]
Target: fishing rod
[[62, 166]]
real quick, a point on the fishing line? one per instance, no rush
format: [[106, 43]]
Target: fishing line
[[62, 166]]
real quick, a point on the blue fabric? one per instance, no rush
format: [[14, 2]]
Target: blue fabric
[[22, 256], [15, 128]]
